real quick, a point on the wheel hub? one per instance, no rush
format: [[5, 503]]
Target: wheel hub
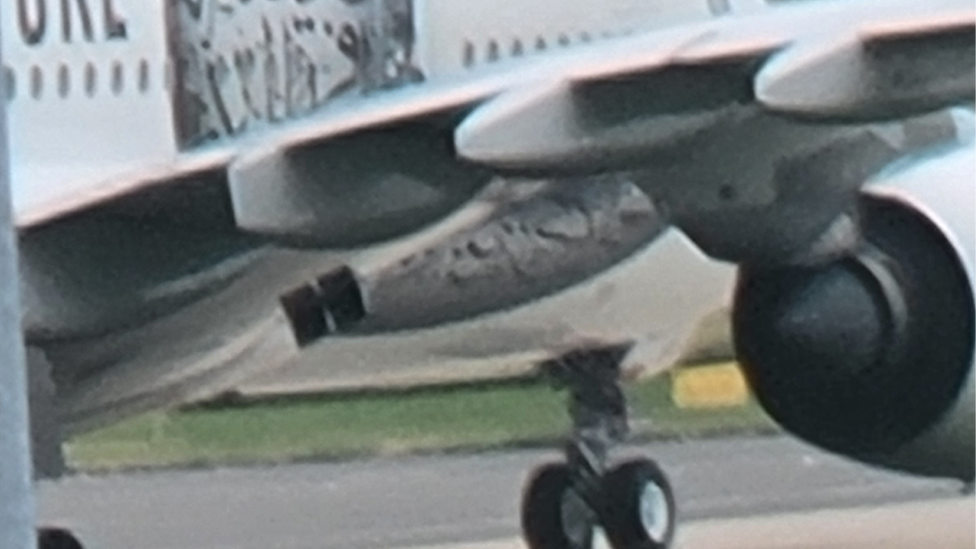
[[654, 512]]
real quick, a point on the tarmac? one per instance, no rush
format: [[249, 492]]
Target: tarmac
[[754, 492], [944, 524]]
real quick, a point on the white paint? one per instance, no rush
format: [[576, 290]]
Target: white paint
[[445, 27], [63, 144]]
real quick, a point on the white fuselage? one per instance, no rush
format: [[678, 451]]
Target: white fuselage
[[84, 108]]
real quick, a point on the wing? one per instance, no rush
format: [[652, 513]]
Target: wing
[[637, 95], [730, 124], [370, 167]]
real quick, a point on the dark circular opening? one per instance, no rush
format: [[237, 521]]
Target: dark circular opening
[[818, 345]]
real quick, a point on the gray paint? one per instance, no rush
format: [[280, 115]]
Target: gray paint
[[573, 230], [16, 493], [459, 499]]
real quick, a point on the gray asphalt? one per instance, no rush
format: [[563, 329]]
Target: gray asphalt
[[428, 500]]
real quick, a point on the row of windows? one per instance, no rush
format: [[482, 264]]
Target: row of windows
[[516, 48], [35, 83]]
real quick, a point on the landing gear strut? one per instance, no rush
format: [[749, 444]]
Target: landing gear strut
[[565, 502]]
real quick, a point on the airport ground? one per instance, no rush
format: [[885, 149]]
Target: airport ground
[[756, 492]]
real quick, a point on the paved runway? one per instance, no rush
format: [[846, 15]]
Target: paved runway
[[728, 490], [942, 524]]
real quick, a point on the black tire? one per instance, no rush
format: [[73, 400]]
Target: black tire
[[547, 503], [57, 538], [639, 509]]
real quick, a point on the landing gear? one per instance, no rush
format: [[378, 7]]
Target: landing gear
[[554, 513], [565, 503], [640, 509]]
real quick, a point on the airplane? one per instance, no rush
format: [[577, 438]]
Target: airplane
[[141, 290], [791, 142], [220, 152]]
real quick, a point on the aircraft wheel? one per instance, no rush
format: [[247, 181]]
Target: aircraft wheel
[[640, 512], [57, 538], [554, 514]]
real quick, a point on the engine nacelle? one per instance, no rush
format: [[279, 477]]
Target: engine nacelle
[[872, 356]]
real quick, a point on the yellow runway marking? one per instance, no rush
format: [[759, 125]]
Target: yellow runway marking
[[711, 386]]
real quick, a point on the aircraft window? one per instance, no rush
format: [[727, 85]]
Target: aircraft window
[[540, 43], [517, 48], [90, 77], [143, 76], [9, 83], [585, 37], [117, 76], [37, 82], [563, 40], [64, 81], [492, 50], [468, 54]]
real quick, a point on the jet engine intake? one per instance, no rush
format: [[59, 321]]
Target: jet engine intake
[[872, 355]]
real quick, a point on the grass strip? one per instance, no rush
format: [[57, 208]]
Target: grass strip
[[463, 418]]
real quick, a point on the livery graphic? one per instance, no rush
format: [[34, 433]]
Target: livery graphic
[[244, 63]]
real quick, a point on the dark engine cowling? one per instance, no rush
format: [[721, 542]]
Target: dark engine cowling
[[872, 356]]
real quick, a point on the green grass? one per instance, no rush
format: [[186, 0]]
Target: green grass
[[328, 428]]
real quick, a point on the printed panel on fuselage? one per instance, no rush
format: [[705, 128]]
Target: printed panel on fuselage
[[242, 64]]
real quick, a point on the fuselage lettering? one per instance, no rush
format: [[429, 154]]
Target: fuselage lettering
[[32, 20], [77, 23], [83, 13], [114, 23]]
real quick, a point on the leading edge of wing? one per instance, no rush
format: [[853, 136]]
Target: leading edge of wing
[[101, 190]]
